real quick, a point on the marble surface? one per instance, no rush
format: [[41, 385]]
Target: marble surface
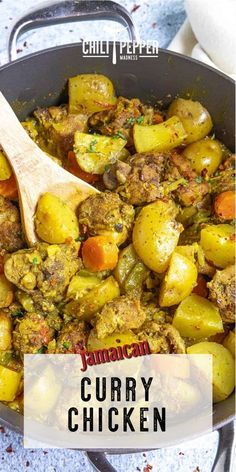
[[155, 19]]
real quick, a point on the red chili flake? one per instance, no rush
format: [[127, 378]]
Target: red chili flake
[[9, 448], [27, 464], [45, 452], [144, 455], [2, 429], [181, 453], [18, 50], [117, 340], [147, 468], [154, 25], [135, 8], [25, 44]]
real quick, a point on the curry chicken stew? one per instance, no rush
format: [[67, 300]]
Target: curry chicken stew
[[150, 257]]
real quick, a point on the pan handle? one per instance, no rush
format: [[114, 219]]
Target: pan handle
[[224, 460], [225, 453], [70, 10], [99, 462]]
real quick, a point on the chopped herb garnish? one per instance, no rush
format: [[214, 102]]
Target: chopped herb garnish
[[42, 350], [139, 120], [119, 134], [80, 238], [130, 121], [92, 145], [106, 168], [199, 179], [119, 227], [66, 345], [17, 313], [35, 261]]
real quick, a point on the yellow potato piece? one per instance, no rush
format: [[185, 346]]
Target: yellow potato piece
[[5, 168], [218, 244], [43, 394], [187, 251], [204, 154], [156, 234], [179, 280], [196, 317], [229, 343], [94, 300], [95, 152], [89, 93], [6, 292], [54, 220], [9, 384], [162, 137], [223, 368], [195, 118], [114, 340], [80, 284], [5, 331]]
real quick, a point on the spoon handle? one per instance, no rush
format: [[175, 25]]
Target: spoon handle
[[21, 151]]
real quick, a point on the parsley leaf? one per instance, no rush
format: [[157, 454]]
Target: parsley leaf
[[80, 238], [199, 179], [17, 313], [130, 121], [42, 350], [119, 134], [140, 119], [92, 145], [66, 345], [35, 261]]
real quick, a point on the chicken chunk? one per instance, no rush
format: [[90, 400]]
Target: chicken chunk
[[72, 338], [163, 338], [32, 334], [44, 269], [222, 292], [120, 314], [195, 187], [138, 180], [106, 213], [56, 129], [120, 119], [11, 236]]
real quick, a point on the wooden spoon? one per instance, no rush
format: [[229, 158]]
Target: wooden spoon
[[35, 172]]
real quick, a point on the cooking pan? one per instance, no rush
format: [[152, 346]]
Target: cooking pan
[[40, 80]]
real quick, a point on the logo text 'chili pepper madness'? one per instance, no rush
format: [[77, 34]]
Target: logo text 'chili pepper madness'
[[124, 51]]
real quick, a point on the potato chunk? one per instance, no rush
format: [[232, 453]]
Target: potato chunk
[[6, 292], [55, 221], [94, 152], [223, 368], [156, 234], [179, 280], [9, 384], [196, 317], [195, 118], [89, 93], [204, 154], [162, 137], [217, 242]]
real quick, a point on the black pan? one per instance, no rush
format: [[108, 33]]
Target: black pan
[[40, 80]]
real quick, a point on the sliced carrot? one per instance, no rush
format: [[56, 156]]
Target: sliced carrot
[[99, 253], [201, 287], [8, 188], [73, 167], [224, 205]]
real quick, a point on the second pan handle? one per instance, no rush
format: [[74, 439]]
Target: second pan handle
[[68, 11]]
